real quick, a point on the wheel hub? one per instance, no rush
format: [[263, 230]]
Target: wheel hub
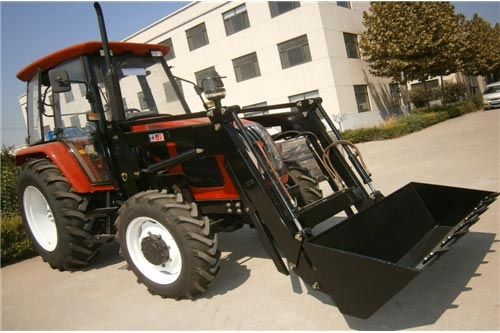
[[155, 250]]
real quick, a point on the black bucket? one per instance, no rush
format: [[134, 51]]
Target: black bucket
[[366, 259]]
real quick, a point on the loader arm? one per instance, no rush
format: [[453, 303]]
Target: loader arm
[[363, 260]]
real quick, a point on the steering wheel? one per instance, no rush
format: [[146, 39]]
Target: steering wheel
[[129, 112]]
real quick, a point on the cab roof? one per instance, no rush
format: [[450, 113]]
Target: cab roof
[[77, 50]]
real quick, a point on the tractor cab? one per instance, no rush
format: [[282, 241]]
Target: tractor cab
[[71, 98]]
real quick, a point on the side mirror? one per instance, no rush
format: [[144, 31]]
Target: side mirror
[[59, 80]]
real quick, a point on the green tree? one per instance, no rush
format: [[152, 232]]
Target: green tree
[[480, 54], [411, 40]]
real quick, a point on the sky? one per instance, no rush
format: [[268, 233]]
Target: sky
[[30, 30]]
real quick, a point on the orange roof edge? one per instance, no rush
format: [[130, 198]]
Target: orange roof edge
[[77, 50]]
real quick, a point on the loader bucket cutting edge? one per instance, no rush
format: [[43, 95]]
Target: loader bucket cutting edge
[[366, 259]]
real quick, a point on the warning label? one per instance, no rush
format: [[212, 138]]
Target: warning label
[[156, 137]]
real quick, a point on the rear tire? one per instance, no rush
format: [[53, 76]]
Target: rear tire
[[54, 216], [167, 245], [309, 190]]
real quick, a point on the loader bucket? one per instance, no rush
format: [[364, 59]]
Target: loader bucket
[[367, 258]]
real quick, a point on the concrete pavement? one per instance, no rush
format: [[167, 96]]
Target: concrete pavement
[[461, 291]]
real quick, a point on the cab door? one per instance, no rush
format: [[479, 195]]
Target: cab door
[[71, 110]]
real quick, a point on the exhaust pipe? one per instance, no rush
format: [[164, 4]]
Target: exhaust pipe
[[115, 97]]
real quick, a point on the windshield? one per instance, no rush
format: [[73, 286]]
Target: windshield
[[144, 85], [492, 89]]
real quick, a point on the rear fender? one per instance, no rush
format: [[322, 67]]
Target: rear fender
[[59, 154]]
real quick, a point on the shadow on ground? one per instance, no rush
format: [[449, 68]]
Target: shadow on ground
[[425, 299], [422, 302], [237, 248], [108, 255]]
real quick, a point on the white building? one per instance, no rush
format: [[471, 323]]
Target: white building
[[276, 52]]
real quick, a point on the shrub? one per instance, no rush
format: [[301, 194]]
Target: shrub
[[8, 204], [477, 100], [453, 92], [15, 245], [361, 135], [416, 121], [418, 97], [455, 112]]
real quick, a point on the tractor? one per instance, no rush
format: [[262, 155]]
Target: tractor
[[116, 153]]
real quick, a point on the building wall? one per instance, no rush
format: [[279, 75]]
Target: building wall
[[330, 72]]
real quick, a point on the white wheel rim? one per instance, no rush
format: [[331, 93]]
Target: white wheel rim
[[142, 227], [40, 218]]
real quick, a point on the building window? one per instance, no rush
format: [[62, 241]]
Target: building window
[[142, 101], [204, 73], [197, 36], [256, 105], [236, 19], [394, 90], [345, 4], [83, 90], [171, 53], [68, 96], [302, 96], [246, 67], [432, 87], [170, 94], [362, 100], [255, 113], [474, 86], [75, 121], [280, 7], [351, 45], [46, 129], [294, 52]]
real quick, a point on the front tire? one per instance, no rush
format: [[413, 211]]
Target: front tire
[[54, 216], [167, 245]]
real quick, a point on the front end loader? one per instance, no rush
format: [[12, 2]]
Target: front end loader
[[354, 244], [116, 153]]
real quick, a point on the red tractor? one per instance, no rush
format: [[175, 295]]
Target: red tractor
[[116, 153]]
